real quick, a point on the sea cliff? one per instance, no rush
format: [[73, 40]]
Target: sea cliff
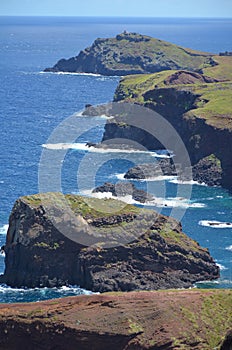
[[130, 249], [198, 106], [192, 90]]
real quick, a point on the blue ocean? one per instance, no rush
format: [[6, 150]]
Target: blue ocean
[[33, 104]]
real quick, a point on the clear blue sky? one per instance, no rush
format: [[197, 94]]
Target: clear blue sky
[[136, 8]]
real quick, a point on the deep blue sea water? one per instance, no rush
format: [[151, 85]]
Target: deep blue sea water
[[34, 103]]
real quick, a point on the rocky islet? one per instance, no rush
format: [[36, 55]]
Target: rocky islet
[[130, 249]]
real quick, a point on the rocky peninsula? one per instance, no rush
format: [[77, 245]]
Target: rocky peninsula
[[167, 320], [128, 248], [132, 53], [191, 89]]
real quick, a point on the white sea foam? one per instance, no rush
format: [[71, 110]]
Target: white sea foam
[[207, 282], [103, 116], [84, 147], [4, 289], [215, 224], [190, 182], [81, 115], [222, 267], [177, 202], [101, 195], [3, 229], [72, 73], [158, 155], [229, 248], [120, 176], [149, 179]]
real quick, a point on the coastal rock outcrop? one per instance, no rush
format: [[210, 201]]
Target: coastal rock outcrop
[[132, 53], [207, 171], [167, 320], [145, 171], [100, 245], [122, 189]]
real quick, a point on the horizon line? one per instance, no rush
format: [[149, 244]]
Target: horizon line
[[110, 16]]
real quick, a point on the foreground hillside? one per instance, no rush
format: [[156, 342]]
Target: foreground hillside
[[193, 319]]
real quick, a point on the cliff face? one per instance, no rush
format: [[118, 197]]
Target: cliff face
[[198, 107], [131, 53], [164, 320], [147, 250]]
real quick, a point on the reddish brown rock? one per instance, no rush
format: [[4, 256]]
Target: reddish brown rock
[[165, 320], [185, 77]]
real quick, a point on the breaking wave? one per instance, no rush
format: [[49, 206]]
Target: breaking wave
[[84, 147], [17, 295], [215, 224], [3, 229], [175, 202]]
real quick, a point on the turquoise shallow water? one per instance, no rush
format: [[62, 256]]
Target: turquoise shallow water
[[33, 104]]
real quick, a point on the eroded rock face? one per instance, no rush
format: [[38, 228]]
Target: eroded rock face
[[165, 320], [200, 138], [185, 77], [207, 171], [146, 250]]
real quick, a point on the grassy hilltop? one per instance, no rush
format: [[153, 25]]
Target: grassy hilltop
[[132, 53], [213, 96]]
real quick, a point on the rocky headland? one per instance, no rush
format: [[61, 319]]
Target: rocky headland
[[101, 245], [158, 320], [198, 106], [132, 53], [191, 89]]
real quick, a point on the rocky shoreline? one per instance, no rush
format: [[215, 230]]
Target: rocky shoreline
[[207, 171], [108, 246], [190, 89]]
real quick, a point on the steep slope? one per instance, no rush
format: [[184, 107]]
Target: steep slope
[[164, 320], [54, 240], [132, 53], [196, 105]]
